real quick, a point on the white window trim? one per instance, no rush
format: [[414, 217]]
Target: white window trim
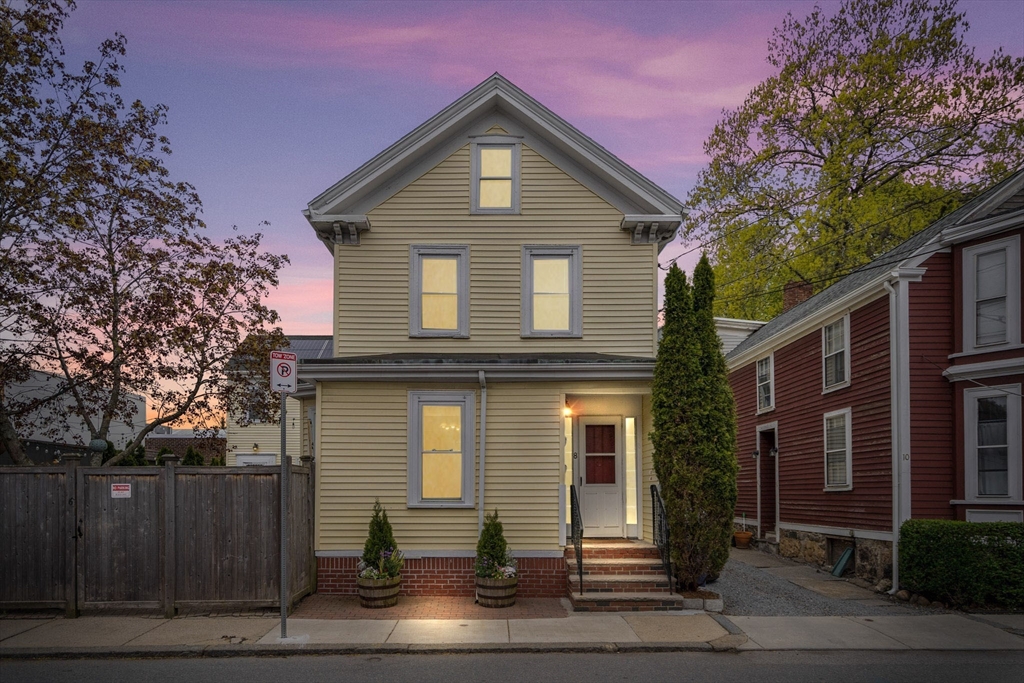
[[1013, 434], [416, 253], [848, 486], [826, 388], [417, 399], [474, 166], [771, 384], [1013, 286], [575, 255]]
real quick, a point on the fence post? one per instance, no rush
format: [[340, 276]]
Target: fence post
[[71, 461], [307, 461], [170, 506]]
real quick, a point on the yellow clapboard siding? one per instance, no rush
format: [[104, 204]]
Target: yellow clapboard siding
[[372, 280], [268, 435]]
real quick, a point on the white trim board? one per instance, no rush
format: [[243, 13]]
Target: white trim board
[[838, 531], [421, 554]]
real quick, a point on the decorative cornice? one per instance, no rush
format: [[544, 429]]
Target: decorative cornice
[[651, 229], [991, 368]]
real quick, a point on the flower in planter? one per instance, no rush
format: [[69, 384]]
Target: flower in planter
[[381, 558], [493, 560]]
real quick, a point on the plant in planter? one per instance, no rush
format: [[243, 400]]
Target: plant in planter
[[380, 567], [497, 574], [742, 538]]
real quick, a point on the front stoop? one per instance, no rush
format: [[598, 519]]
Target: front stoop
[[626, 576]]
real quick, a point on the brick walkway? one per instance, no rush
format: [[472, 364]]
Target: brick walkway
[[319, 606]]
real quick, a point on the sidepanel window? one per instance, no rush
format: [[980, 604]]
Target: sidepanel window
[[990, 301], [441, 460], [439, 291], [835, 353], [552, 299], [837, 450], [495, 171], [765, 397], [992, 295]]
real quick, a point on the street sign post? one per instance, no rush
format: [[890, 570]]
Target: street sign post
[[283, 379]]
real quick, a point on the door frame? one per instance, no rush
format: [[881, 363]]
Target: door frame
[[580, 423], [767, 427]]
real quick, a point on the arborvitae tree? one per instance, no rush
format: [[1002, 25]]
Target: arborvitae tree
[[381, 537], [491, 548], [694, 430], [192, 459]]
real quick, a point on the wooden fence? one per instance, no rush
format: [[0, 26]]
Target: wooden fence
[[154, 538]]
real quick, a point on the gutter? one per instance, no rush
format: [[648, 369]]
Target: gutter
[[483, 447]]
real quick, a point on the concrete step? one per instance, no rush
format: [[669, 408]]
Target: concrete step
[[632, 602], [620, 584]]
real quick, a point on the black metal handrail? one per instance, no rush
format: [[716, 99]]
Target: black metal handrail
[[577, 531], [661, 533]]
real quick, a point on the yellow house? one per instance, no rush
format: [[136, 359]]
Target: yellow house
[[495, 329]]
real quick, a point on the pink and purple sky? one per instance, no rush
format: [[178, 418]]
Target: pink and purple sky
[[273, 102]]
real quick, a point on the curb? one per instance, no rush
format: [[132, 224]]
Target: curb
[[198, 651]]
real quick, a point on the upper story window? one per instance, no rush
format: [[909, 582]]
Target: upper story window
[[441, 459], [838, 450], [992, 294], [765, 381], [439, 291], [835, 350], [495, 176], [552, 297], [992, 442]]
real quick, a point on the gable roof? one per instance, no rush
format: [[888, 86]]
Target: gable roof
[[348, 200], [1003, 199]]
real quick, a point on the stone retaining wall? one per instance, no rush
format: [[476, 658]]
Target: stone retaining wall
[[872, 559]]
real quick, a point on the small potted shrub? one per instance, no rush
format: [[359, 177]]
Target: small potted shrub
[[497, 575], [742, 538], [380, 567]]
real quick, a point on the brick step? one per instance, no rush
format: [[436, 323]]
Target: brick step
[[620, 584], [614, 550], [618, 566], [630, 602]]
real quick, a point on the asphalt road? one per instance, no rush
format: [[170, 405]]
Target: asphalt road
[[788, 667]]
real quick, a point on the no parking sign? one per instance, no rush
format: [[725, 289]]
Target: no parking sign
[[282, 372]]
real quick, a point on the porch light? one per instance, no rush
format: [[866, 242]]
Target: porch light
[[255, 448], [567, 411]]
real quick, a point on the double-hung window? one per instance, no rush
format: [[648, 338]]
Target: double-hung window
[[552, 297], [765, 384], [495, 174], [992, 421], [439, 291], [835, 351], [838, 451], [441, 457], [992, 294]]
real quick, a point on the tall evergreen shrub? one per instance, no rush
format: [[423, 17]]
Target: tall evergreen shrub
[[381, 558], [493, 560], [694, 434], [192, 458]]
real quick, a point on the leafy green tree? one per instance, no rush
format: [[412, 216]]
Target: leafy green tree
[[107, 278], [879, 120], [694, 429], [192, 458]]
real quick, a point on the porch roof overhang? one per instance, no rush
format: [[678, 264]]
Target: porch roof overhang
[[451, 368]]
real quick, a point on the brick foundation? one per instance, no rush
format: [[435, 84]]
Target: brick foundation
[[539, 577]]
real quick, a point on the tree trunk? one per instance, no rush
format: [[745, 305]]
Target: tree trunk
[[10, 439]]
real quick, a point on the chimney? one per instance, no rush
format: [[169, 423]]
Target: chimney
[[795, 293]]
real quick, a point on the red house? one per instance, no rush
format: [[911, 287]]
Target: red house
[[893, 394]]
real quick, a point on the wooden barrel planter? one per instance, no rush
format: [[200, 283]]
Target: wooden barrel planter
[[496, 592], [376, 593]]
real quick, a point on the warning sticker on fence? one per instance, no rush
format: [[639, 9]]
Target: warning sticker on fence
[[120, 490]]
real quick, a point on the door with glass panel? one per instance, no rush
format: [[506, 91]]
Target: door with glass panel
[[601, 477]]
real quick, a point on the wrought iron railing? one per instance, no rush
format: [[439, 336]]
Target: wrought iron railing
[[577, 531], [661, 532]]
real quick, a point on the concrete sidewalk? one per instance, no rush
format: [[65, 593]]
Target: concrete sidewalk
[[234, 636]]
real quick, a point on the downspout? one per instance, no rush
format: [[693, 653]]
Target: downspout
[[483, 446], [894, 418]]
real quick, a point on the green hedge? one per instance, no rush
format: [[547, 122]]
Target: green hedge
[[964, 563]]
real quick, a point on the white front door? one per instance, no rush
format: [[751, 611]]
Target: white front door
[[601, 476]]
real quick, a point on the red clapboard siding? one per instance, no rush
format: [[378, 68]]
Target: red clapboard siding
[[745, 394], [932, 419], [800, 407]]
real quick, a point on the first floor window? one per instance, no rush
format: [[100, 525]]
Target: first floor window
[[551, 292], [993, 441], [441, 461], [838, 450]]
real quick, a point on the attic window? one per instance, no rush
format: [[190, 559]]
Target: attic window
[[495, 168]]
